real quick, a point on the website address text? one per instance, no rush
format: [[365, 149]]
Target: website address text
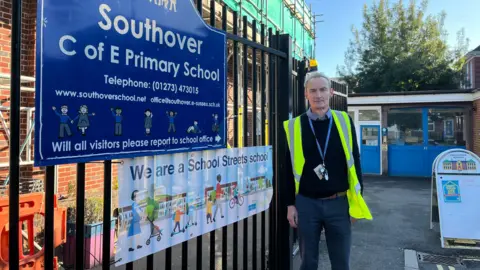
[[134, 98]]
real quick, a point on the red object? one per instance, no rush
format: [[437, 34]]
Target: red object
[[30, 205], [219, 191]]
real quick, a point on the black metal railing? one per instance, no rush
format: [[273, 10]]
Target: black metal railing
[[269, 75], [339, 100]]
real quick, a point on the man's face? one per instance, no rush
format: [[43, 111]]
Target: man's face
[[317, 93], [118, 111], [64, 110]]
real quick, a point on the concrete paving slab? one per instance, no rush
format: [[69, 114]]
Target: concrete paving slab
[[411, 260]]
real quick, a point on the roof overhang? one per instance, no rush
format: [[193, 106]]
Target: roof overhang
[[471, 56], [439, 97], [476, 95]]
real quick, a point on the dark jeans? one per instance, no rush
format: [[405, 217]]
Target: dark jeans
[[331, 215]]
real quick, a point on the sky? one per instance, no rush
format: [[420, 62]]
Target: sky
[[334, 33]]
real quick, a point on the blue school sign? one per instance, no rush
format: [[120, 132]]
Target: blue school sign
[[118, 79]]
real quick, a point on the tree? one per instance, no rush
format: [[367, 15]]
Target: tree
[[401, 49]]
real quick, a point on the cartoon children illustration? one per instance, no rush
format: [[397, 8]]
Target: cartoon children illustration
[[235, 193], [148, 121], [165, 3], [177, 216], [83, 122], [135, 228], [215, 126], [218, 196], [173, 4], [117, 113], [209, 211], [190, 209], [64, 119], [171, 119], [194, 128]]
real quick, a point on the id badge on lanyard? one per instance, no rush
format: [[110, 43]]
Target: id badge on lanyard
[[321, 170]]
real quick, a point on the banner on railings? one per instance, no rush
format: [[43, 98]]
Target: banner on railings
[[122, 79], [168, 199]]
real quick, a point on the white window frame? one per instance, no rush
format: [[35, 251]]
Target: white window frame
[[452, 121]]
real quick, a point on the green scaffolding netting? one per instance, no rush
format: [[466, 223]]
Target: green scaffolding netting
[[279, 17]]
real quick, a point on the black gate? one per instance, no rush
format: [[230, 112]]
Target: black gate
[[262, 75]]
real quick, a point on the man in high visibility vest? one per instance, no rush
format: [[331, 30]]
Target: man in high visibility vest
[[324, 179]]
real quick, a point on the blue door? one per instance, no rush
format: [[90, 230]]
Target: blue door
[[418, 135], [370, 149]]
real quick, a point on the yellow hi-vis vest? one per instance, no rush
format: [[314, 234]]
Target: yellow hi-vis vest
[[357, 207]]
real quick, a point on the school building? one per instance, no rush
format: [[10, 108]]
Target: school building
[[292, 17], [401, 134]]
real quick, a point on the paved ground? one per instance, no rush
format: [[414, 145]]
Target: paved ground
[[400, 208], [398, 234]]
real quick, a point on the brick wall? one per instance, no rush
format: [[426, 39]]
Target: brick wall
[[93, 177], [476, 127], [66, 173]]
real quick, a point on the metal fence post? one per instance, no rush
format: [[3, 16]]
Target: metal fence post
[[283, 253], [300, 107], [14, 173]]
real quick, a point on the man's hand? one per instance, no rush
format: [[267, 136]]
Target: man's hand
[[292, 216], [352, 220]]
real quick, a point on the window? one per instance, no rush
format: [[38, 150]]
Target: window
[[405, 127], [370, 136], [369, 115], [470, 76], [352, 115], [448, 126], [431, 126], [467, 75]]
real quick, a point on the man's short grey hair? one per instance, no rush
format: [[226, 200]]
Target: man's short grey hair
[[316, 74]]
